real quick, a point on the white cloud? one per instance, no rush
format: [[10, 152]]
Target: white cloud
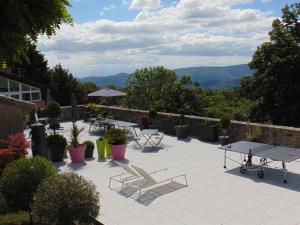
[[266, 1], [189, 33], [106, 9], [145, 4]]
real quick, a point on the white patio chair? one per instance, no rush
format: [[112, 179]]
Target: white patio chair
[[159, 139], [128, 175], [151, 181], [136, 139]]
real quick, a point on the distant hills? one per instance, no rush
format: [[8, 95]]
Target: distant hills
[[208, 77]]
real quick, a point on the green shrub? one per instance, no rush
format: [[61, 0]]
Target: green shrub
[[116, 136], [66, 198], [225, 121], [57, 147], [21, 178], [152, 113], [53, 110], [89, 150], [3, 204], [89, 145]]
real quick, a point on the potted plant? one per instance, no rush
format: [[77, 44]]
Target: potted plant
[[100, 143], [76, 150], [180, 126], [56, 146], [89, 150], [167, 125], [53, 112], [225, 124], [153, 118], [208, 131], [118, 143], [144, 121]]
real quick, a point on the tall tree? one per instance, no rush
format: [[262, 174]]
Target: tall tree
[[63, 83], [33, 67], [276, 66], [150, 88], [21, 21]]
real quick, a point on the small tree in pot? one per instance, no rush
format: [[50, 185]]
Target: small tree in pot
[[53, 112], [118, 142], [180, 125], [56, 145], [225, 122], [76, 150]]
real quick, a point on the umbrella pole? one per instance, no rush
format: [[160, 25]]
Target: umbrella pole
[[107, 105]]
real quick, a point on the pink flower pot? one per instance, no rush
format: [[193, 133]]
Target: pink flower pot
[[77, 154], [118, 151]]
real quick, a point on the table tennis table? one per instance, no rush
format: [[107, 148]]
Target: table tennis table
[[267, 154]]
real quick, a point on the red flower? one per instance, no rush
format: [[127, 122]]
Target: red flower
[[15, 147]]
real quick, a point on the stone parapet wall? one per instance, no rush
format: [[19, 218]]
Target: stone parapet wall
[[270, 134]]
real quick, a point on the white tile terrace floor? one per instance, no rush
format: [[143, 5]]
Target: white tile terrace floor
[[214, 196]]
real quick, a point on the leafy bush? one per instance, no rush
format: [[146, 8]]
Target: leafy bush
[[116, 136], [57, 147], [54, 125], [89, 145], [53, 110], [56, 140], [152, 113], [89, 150], [13, 147], [225, 121], [21, 178], [65, 199], [3, 204]]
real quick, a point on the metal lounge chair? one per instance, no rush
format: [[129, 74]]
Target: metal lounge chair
[[151, 181], [128, 175]]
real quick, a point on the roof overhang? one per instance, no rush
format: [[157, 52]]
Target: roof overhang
[[16, 103]]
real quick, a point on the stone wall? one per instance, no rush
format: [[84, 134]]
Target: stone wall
[[270, 134]]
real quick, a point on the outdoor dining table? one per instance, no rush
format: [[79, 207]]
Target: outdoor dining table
[[149, 134]]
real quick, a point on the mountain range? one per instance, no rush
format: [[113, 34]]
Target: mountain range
[[207, 77]]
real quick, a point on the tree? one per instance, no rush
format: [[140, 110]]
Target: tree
[[276, 66], [63, 83], [150, 88], [22, 21]]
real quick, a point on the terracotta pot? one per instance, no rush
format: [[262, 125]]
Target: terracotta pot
[[77, 154], [118, 151]]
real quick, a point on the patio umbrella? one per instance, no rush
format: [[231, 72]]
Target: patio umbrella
[[48, 97], [74, 107], [107, 92]]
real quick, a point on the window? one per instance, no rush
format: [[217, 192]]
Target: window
[[3, 85], [15, 96], [26, 96], [35, 96], [14, 86], [25, 87]]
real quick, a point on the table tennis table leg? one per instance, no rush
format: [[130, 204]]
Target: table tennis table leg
[[284, 172], [225, 159]]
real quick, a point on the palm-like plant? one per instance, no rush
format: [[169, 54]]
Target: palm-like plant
[[74, 137]]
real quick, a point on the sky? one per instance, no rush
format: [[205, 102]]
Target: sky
[[113, 36]]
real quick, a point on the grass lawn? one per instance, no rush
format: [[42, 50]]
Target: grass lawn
[[20, 218]]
